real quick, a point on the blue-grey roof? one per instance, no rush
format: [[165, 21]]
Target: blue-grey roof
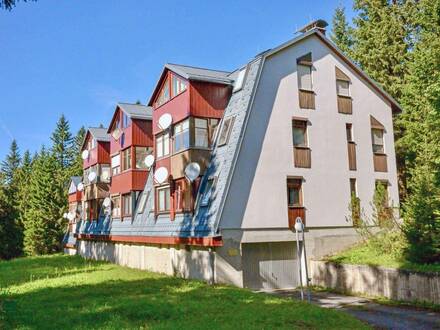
[[75, 180], [137, 111], [201, 74], [99, 133]]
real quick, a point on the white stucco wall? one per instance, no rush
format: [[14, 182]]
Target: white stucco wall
[[257, 197]]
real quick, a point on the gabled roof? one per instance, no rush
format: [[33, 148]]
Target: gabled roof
[[136, 111], [395, 105], [195, 74], [98, 133]]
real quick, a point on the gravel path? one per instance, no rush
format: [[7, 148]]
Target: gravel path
[[379, 316]]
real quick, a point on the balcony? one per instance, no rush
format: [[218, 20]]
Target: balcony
[[180, 160], [96, 191]]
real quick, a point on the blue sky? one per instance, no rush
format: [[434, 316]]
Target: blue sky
[[81, 57]]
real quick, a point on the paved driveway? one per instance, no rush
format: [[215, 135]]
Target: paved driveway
[[379, 316]]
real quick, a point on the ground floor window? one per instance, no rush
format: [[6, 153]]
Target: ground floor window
[[126, 205], [163, 199]]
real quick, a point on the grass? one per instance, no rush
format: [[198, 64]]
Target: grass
[[64, 292], [364, 254]]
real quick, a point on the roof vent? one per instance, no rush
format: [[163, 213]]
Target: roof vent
[[319, 24]]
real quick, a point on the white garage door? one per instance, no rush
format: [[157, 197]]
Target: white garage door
[[269, 266]]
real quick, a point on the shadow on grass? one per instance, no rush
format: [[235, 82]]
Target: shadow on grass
[[21, 270], [161, 302]]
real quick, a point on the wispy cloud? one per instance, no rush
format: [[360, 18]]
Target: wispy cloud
[[5, 129]]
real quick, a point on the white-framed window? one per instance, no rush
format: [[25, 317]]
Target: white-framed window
[[142, 202], [162, 145], [163, 199], [239, 82], [126, 159], [201, 132], [378, 141], [116, 164], [126, 204], [105, 173], [305, 77], [116, 206], [226, 129], [181, 136], [343, 88], [179, 86], [140, 154]]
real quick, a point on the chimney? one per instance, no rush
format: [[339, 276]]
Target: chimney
[[319, 25]]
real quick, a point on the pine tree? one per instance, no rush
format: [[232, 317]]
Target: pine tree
[[10, 229], [23, 179], [421, 142], [63, 143], [341, 31], [77, 167], [380, 41], [44, 225]]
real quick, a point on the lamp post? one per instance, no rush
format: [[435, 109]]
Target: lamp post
[[299, 228]]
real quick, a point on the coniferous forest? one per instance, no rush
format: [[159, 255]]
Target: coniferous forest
[[396, 42]]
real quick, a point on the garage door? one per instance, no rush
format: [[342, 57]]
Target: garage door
[[269, 266]]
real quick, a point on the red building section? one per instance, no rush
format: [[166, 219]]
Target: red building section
[[96, 178], [193, 100], [130, 143]]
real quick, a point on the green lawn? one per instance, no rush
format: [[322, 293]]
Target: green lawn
[[364, 254], [62, 292]]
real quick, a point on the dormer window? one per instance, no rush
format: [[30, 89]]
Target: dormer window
[[126, 121], [240, 80], [178, 85], [164, 95]]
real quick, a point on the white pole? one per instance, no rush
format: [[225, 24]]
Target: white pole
[[298, 226]]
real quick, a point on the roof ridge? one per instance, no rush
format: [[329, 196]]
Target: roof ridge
[[198, 67], [143, 105]]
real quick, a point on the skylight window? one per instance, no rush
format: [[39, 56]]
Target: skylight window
[[240, 80]]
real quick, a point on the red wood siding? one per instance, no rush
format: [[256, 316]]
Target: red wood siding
[[208, 99], [128, 181], [178, 107], [93, 158], [142, 134], [103, 152], [75, 197]]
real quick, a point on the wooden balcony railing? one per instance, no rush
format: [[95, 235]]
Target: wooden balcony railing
[[345, 104], [351, 156], [306, 99], [380, 163], [294, 212], [302, 157]]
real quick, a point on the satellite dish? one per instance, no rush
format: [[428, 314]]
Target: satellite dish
[[91, 176], [161, 175], [192, 171], [65, 215], [107, 202], [149, 161], [116, 133], [71, 216], [105, 175], [299, 226], [80, 186], [165, 121], [85, 154]]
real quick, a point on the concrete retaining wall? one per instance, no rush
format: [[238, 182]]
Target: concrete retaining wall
[[377, 281]]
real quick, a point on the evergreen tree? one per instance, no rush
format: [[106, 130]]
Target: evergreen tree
[[77, 168], [341, 31], [63, 144], [380, 41], [44, 224], [10, 164], [10, 231], [421, 142], [23, 179]]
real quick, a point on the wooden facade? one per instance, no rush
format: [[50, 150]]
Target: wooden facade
[[351, 146], [295, 212], [130, 180], [77, 196], [95, 191], [306, 99], [98, 155], [302, 157], [380, 162], [179, 161]]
